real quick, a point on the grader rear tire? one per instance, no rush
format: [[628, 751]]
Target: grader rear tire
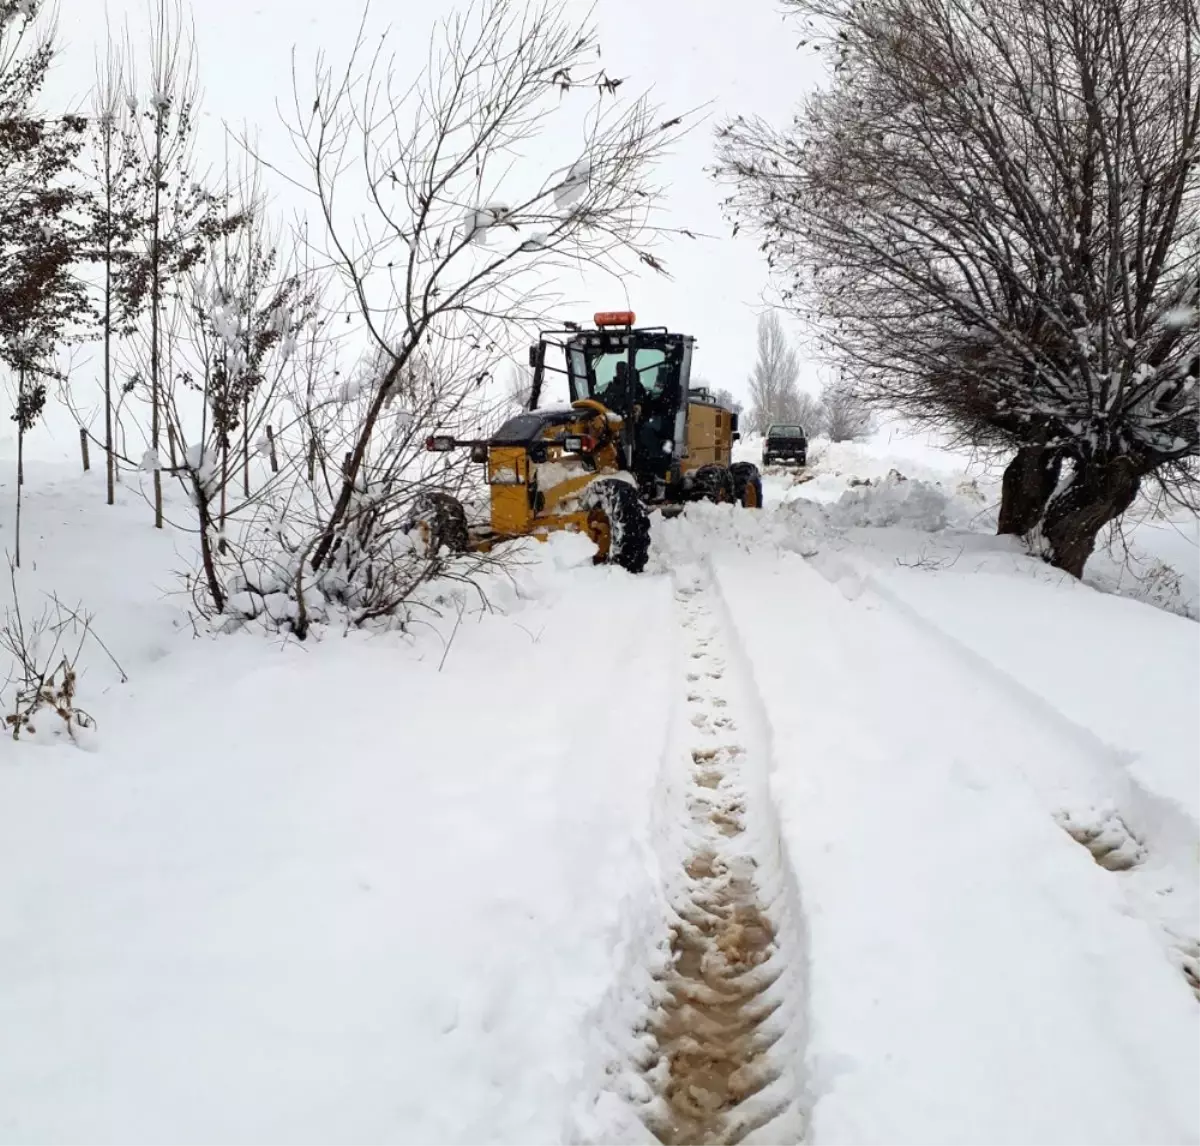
[[628, 522], [712, 483], [747, 485]]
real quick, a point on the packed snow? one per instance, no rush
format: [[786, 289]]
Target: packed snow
[[417, 886]]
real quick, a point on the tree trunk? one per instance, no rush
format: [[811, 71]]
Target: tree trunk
[[20, 483], [353, 463], [246, 440], [1099, 492], [1028, 484], [204, 512], [221, 547], [155, 299], [109, 459]]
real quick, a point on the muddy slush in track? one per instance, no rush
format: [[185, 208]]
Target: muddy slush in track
[[722, 1069]]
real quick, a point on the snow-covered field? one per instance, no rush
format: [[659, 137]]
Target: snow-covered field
[[912, 815]]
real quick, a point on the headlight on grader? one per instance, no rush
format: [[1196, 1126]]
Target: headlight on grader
[[578, 443], [440, 443]]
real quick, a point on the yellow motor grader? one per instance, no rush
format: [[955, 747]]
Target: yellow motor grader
[[634, 436]]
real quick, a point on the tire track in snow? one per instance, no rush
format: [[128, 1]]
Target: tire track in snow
[[724, 1037], [1115, 848], [1166, 832]]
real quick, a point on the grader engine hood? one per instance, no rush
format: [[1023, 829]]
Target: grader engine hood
[[531, 426]]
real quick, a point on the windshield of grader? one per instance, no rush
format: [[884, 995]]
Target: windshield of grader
[[605, 375]]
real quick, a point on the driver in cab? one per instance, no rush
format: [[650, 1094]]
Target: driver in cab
[[624, 391]]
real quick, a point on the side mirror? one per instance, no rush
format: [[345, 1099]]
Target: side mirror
[[534, 359], [737, 435], [479, 452]]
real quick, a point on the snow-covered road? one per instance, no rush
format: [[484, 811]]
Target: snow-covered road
[[973, 975], [779, 840]]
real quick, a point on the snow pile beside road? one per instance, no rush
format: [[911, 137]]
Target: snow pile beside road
[[896, 500]]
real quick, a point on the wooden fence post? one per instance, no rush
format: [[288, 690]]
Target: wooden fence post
[[83, 449]]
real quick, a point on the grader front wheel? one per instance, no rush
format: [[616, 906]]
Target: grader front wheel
[[440, 521], [617, 503]]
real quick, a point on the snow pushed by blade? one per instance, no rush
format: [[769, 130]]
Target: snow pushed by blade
[[703, 527]]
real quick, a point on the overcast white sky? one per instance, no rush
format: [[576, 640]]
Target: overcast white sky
[[739, 54]]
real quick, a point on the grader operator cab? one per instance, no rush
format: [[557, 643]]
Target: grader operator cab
[[635, 435]]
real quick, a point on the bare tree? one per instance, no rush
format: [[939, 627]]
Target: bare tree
[[43, 667], [811, 411], [844, 416], [774, 394], [994, 211], [464, 227]]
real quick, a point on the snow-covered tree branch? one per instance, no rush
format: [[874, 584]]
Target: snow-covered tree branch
[[995, 213]]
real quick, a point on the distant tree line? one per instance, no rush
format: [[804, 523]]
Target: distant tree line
[[834, 411]]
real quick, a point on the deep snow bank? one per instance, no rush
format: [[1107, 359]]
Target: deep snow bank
[[1123, 671], [367, 889]]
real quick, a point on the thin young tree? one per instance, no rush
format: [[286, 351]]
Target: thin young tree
[[178, 215], [113, 223], [995, 212], [243, 313], [460, 225]]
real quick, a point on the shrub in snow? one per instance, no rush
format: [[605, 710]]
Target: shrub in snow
[[373, 574], [1162, 586], [1152, 582], [42, 705], [47, 703]]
